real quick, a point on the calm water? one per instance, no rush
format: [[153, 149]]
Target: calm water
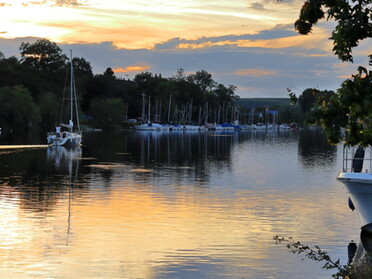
[[173, 205]]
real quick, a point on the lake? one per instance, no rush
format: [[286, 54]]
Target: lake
[[132, 204]]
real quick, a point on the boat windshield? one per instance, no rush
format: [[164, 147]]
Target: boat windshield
[[357, 159]]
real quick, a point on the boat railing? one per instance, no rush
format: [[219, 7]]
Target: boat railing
[[357, 159]]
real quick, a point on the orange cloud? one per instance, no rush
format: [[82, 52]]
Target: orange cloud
[[313, 41], [345, 76], [255, 72], [131, 69]]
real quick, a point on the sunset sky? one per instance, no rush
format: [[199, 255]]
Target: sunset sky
[[250, 44]]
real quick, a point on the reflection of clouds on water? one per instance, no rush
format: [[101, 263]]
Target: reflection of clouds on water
[[141, 170], [206, 207], [106, 166]]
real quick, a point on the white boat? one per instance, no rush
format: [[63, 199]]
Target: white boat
[[149, 127], [68, 134], [357, 178]]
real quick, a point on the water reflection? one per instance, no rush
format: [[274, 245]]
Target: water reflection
[[172, 153], [66, 160], [164, 205], [314, 148], [176, 155]]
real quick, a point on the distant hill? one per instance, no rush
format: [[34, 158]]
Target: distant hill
[[260, 102]]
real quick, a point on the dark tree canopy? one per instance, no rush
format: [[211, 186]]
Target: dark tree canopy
[[353, 22], [17, 107], [346, 115], [43, 55]]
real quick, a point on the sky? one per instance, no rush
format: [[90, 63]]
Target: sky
[[251, 44]]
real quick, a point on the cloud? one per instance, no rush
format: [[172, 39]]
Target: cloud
[[52, 3], [257, 6], [136, 69], [69, 3], [279, 37], [263, 64], [254, 72], [345, 77]]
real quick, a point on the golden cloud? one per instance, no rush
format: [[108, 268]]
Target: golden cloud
[[131, 69], [313, 41]]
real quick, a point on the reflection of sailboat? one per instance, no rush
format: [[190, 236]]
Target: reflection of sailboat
[[68, 160], [357, 178], [68, 134], [63, 156]]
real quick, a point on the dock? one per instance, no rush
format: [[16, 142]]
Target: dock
[[23, 146]]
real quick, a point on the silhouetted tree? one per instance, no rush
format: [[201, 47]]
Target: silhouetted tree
[[43, 55], [350, 108]]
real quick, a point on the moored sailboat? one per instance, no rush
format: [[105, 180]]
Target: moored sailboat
[[68, 134]]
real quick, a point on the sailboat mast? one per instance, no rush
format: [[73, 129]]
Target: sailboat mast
[[73, 97], [169, 106], [143, 107], [71, 87]]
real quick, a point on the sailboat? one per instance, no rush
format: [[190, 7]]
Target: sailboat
[[68, 134]]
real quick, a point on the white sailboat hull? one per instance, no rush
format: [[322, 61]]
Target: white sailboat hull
[[68, 139], [149, 127]]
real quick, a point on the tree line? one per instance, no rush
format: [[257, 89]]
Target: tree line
[[31, 90]]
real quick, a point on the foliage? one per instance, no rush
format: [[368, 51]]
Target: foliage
[[316, 254], [353, 18], [307, 99], [203, 80], [43, 55], [346, 115], [17, 108], [350, 108], [48, 104], [108, 112], [288, 114], [352, 270]]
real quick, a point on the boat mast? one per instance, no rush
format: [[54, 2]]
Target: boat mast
[[143, 107], [149, 112], [169, 106], [71, 89], [73, 96]]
